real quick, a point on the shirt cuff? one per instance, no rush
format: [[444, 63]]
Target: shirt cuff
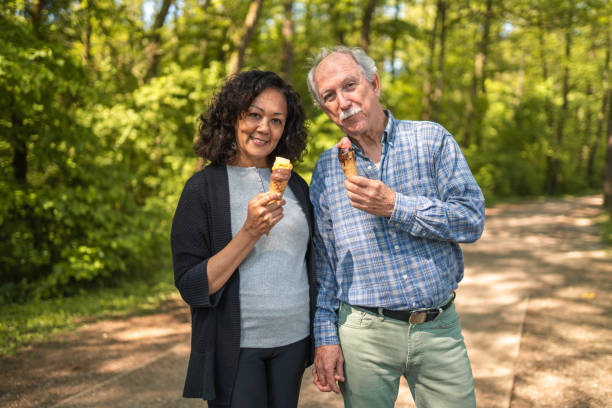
[[404, 211], [326, 334]]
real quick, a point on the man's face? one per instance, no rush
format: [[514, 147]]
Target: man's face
[[347, 97]]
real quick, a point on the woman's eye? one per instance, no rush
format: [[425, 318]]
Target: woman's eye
[[277, 121]]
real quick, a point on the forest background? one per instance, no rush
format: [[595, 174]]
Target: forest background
[[99, 101]]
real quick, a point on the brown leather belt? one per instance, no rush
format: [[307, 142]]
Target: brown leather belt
[[410, 316]]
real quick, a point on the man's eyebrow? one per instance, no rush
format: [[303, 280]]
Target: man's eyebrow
[[349, 78], [352, 78]]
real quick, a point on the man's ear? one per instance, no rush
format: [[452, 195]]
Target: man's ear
[[376, 84]]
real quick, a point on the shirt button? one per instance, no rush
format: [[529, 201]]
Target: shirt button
[[397, 247], [405, 277], [370, 166], [392, 233]]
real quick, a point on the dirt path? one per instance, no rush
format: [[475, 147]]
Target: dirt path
[[535, 305]]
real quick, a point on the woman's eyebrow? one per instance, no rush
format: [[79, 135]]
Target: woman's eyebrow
[[261, 109]]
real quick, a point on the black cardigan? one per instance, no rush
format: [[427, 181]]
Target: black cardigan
[[201, 228]]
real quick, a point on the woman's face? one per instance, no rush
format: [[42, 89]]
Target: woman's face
[[259, 129]]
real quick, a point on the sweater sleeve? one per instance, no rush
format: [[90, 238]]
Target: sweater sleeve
[[191, 246]]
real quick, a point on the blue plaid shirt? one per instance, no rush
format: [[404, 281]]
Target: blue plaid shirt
[[411, 260]]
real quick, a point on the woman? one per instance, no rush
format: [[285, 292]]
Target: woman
[[243, 258]]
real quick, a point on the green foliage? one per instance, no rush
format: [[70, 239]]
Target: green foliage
[[35, 321], [93, 154], [95, 205]]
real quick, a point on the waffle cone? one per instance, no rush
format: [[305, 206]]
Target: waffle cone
[[350, 168], [349, 164], [278, 187]]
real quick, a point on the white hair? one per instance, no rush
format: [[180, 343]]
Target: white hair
[[367, 65]]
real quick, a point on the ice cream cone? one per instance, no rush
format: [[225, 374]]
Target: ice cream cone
[[281, 173], [346, 156]]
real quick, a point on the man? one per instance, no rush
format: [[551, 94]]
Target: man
[[387, 245]]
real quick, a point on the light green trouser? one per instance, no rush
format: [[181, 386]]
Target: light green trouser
[[379, 350]]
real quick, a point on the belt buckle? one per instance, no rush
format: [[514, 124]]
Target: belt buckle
[[417, 317]]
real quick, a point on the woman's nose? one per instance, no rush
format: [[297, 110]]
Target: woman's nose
[[263, 126]]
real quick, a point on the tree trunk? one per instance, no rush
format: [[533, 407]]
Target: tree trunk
[[287, 55], [86, 36], [153, 53], [204, 39], [36, 15], [242, 40], [554, 163], [368, 13], [429, 75], [337, 15], [474, 110], [551, 174], [520, 80], [601, 117], [559, 132], [21, 135], [608, 169], [20, 150], [440, 74], [394, 38]]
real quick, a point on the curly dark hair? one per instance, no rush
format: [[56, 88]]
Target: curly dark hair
[[217, 126]]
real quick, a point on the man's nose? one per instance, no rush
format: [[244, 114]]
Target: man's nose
[[343, 102]]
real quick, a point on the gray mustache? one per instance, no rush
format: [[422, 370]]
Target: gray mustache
[[353, 110]]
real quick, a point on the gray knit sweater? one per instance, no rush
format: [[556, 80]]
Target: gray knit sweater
[[274, 300]]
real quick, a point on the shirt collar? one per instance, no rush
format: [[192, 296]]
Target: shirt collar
[[389, 133]]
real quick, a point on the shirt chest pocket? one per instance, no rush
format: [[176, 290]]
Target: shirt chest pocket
[[416, 185]]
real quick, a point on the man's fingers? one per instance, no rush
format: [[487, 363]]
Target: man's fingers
[[319, 382], [356, 198], [321, 387], [368, 190], [359, 180], [339, 369], [331, 381]]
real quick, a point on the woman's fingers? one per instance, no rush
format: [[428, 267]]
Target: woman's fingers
[[268, 198], [265, 211]]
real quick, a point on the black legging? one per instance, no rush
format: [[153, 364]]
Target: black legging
[[270, 377]]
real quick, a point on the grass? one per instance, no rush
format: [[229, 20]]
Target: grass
[[37, 320], [605, 228]]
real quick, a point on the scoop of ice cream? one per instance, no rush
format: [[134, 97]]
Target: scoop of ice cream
[[346, 153], [282, 163], [280, 175], [345, 143]]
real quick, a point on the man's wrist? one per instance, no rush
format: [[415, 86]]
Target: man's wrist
[[403, 212], [391, 204]]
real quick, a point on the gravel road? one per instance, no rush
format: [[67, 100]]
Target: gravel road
[[535, 305]]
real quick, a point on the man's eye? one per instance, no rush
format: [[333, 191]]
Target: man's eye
[[328, 98], [350, 85]]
